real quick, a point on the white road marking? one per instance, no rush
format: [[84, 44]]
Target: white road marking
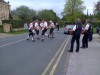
[[12, 43]]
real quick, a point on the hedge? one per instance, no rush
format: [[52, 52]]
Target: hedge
[[15, 23]]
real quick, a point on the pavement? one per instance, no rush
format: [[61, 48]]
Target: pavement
[[87, 61]]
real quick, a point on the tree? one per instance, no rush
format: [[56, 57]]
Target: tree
[[73, 9], [97, 9], [24, 12], [47, 14]]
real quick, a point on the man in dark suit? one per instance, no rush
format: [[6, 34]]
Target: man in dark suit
[[86, 34], [76, 35]]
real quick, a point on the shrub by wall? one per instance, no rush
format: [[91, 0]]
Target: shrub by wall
[[15, 23], [1, 28], [95, 24]]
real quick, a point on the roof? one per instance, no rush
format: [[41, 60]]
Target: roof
[[3, 1]]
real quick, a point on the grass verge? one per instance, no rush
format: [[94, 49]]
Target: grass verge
[[18, 32]]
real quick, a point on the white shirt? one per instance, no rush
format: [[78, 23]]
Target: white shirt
[[30, 25], [36, 25], [87, 27], [74, 28], [52, 25], [44, 25]]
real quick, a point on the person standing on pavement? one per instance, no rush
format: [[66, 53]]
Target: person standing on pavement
[[90, 38], [76, 35], [44, 27], [86, 34]]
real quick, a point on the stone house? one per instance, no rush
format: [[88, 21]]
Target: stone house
[[4, 10]]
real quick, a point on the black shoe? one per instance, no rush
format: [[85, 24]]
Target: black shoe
[[70, 51], [38, 38], [33, 40], [42, 40], [86, 47], [27, 39], [53, 37], [48, 36], [77, 51]]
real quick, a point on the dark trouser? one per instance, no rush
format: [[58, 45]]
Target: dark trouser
[[51, 31], [85, 41], [77, 38], [90, 37], [57, 28], [44, 31], [30, 33], [37, 32]]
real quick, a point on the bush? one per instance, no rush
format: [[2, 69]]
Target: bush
[[95, 24], [1, 28], [61, 23], [64, 23], [15, 23], [5, 21]]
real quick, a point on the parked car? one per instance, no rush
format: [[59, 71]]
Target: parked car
[[67, 28]]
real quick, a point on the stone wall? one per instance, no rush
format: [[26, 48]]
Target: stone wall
[[4, 10], [6, 27]]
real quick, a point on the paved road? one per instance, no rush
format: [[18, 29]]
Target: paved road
[[21, 57]]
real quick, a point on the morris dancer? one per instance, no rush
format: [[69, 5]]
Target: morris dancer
[[31, 32], [44, 26]]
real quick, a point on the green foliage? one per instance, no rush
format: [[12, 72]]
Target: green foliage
[[73, 6], [24, 12], [1, 28], [73, 9], [95, 24], [63, 23], [97, 10], [5, 21], [67, 23], [17, 23], [18, 32], [94, 30], [47, 14], [72, 19]]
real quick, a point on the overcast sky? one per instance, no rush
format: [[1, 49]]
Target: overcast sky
[[56, 5]]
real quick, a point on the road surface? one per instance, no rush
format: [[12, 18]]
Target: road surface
[[19, 56]]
